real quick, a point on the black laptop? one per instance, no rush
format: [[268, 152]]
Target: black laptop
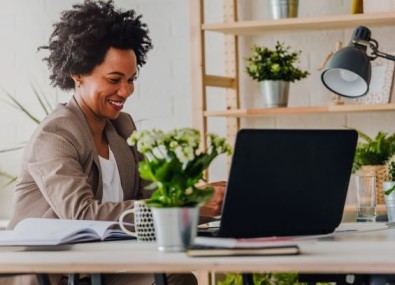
[[287, 182]]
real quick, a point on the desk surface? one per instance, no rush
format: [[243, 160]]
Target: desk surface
[[362, 252]]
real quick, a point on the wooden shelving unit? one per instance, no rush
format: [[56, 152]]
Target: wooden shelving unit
[[302, 24], [299, 110], [232, 29]]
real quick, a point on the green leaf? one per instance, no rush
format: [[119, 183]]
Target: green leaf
[[42, 98], [11, 178], [145, 171], [11, 149], [389, 191], [40, 101], [19, 106]]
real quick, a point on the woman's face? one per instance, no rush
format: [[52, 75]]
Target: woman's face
[[104, 91]]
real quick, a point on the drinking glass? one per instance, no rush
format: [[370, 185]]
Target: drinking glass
[[366, 198]]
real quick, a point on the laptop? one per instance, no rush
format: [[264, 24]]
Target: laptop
[[286, 183]]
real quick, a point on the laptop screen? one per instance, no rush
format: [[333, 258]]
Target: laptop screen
[[287, 182]]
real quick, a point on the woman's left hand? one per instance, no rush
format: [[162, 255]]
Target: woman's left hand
[[213, 207]]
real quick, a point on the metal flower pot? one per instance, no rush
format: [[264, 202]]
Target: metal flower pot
[[175, 228], [275, 93], [284, 8], [389, 200]]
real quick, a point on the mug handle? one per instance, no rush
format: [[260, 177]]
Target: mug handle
[[127, 212]]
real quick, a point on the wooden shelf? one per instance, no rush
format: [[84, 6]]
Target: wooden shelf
[[300, 110], [300, 24]]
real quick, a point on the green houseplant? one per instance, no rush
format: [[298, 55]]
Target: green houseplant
[[370, 157], [277, 64], [175, 164], [274, 69], [373, 151]]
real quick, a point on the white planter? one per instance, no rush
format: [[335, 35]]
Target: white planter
[[175, 228], [275, 93], [389, 200]]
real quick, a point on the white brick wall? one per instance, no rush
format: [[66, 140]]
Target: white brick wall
[[162, 98]]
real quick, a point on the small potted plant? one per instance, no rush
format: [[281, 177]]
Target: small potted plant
[[274, 69], [175, 164], [389, 188], [371, 155]]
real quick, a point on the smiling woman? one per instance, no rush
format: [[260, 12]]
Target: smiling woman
[[77, 164], [102, 93]]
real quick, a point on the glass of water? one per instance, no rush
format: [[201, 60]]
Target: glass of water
[[366, 198]]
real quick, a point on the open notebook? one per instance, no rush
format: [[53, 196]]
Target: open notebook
[[41, 231], [286, 183]]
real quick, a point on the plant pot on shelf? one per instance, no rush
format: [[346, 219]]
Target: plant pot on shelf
[[390, 200], [284, 8], [175, 228], [274, 69], [275, 93]]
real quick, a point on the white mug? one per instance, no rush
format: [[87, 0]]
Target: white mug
[[143, 222]]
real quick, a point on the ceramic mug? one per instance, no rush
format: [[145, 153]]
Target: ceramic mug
[[143, 222]]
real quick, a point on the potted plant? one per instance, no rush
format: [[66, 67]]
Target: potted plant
[[389, 188], [175, 165], [371, 155], [274, 69]]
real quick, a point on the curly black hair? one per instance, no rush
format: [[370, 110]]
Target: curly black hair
[[85, 33]]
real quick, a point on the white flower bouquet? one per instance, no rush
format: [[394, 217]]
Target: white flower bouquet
[[175, 165]]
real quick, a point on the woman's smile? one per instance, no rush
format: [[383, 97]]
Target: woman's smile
[[117, 105]]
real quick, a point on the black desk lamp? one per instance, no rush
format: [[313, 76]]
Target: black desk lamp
[[348, 72]]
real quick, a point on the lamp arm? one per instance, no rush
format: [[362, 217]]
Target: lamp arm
[[373, 45], [384, 55]]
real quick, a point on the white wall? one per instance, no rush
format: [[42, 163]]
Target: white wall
[[163, 98]]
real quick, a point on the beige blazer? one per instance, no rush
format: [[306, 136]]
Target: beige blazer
[[60, 175]]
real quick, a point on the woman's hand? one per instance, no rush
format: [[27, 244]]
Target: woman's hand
[[213, 207]]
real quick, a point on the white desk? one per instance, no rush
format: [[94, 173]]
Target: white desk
[[368, 252]]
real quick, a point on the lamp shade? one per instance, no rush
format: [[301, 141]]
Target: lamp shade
[[348, 73]]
